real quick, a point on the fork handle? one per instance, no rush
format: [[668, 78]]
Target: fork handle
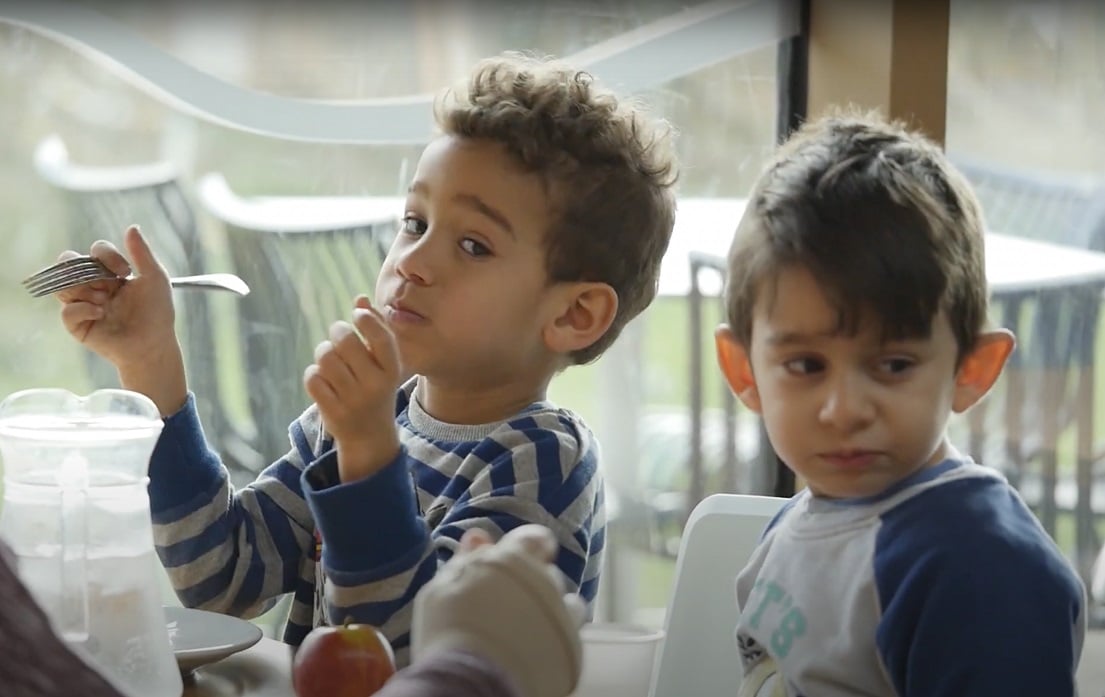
[[216, 281]]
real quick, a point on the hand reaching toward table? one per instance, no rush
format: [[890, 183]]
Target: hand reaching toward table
[[504, 602]]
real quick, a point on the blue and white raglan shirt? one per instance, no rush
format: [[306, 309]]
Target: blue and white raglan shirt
[[379, 539], [944, 585]]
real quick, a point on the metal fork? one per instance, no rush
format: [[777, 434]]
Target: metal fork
[[84, 269]]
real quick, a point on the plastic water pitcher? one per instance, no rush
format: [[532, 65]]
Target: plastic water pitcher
[[76, 512]]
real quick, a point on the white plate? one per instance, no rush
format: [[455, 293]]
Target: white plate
[[199, 637]]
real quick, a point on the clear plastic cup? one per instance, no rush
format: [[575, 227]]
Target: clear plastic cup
[[618, 660]]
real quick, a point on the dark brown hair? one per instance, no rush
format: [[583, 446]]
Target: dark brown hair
[[879, 217], [608, 168]]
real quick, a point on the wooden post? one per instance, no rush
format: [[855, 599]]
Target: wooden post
[[888, 55]]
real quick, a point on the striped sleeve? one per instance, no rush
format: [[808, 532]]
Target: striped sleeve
[[227, 551], [378, 550]]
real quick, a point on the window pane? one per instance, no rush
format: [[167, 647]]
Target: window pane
[[342, 50], [1025, 109], [1025, 83], [724, 111]]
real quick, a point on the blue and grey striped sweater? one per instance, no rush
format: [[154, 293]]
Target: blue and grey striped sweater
[[238, 551]]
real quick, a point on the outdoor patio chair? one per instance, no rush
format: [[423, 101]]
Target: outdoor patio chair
[[1047, 390], [305, 258], [100, 203]]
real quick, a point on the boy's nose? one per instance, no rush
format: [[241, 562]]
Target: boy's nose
[[846, 405], [416, 263]]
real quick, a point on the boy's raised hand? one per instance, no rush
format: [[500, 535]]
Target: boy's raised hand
[[353, 382], [130, 323], [121, 321]]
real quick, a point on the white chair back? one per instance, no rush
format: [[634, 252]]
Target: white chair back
[[699, 655]]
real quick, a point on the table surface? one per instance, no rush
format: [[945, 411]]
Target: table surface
[[263, 670], [702, 225], [1012, 263]]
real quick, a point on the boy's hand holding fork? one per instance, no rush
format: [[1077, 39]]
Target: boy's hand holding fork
[[130, 323]]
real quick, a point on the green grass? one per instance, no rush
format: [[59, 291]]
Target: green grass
[[664, 361]]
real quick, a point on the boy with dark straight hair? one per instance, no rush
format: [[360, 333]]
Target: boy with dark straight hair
[[857, 308]]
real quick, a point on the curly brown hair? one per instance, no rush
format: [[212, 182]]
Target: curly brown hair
[[609, 170], [881, 219]]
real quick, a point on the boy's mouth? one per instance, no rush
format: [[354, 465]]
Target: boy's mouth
[[401, 313], [850, 459]]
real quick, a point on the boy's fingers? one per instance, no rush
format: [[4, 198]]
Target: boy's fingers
[[68, 254], [362, 302], [145, 263], [347, 345], [337, 368], [111, 257], [474, 538], [577, 609], [318, 388], [74, 314], [532, 540], [321, 349], [96, 292], [378, 336]]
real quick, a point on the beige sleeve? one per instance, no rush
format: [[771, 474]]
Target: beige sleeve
[[504, 603]]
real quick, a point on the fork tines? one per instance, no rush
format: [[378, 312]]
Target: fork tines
[[65, 274]]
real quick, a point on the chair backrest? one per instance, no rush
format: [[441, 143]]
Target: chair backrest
[[305, 260], [1037, 403], [100, 202], [1064, 209], [699, 656]]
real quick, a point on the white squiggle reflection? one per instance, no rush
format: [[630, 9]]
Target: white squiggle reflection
[[637, 60]]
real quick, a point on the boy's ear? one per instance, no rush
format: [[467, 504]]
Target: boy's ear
[[583, 315], [737, 367], [980, 368]]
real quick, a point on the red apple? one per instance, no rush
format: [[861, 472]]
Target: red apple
[[352, 660]]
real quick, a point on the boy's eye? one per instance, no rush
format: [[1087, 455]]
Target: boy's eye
[[803, 366], [895, 366], [474, 248], [412, 225]]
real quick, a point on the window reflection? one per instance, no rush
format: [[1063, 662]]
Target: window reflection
[[342, 50], [725, 112], [1025, 81], [1024, 112]]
